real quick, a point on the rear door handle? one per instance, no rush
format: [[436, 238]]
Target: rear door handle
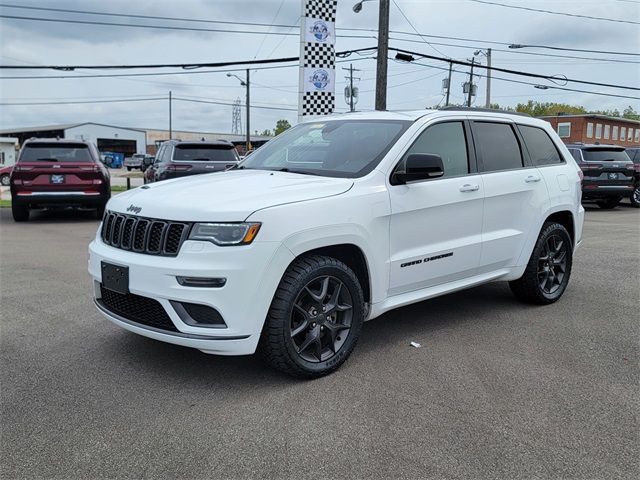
[[532, 179], [467, 187]]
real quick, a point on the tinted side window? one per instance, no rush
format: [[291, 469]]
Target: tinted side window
[[499, 146], [576, 154], [541, 148], [447, 140]]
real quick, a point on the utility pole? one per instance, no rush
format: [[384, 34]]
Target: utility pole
[[383, 48], [351, 87], [473, 61], [170, 129], [488, 101], [248, 115], [449, 84]]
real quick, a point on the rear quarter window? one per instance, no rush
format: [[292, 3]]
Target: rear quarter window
[[498, 145], [541, 148]]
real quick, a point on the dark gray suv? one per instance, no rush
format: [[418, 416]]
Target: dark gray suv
[[177, 158]]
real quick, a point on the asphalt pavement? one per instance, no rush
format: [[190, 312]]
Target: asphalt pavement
[[498, 389]]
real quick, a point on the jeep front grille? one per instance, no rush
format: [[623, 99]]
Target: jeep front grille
[[144, 235]]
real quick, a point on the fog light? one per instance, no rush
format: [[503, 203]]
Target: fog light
[[202, 282]]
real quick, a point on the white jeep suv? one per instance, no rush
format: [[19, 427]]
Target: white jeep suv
[[335, 222]]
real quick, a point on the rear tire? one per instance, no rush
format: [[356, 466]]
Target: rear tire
[[20, 212], [315, 318], [634, 198], [609, 203], [128, 169], [100, 210], [547, 274], [4, 180]]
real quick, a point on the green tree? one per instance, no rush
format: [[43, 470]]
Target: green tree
[[281, 126], [538, 109], [630, 113], [266, 133]]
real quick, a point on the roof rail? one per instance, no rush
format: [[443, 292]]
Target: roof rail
[[489, 110]]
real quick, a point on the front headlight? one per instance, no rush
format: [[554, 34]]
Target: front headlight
[[225, 234]]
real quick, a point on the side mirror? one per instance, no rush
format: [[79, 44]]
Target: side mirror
[[420, 166]]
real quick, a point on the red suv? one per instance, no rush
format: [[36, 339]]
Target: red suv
[[58, 173]]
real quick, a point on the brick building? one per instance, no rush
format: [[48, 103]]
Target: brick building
[[592, 128]]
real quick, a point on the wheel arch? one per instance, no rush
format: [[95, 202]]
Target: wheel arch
[[352, 256], [564, 218]]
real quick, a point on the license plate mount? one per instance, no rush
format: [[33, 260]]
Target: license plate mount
[[115, 278]]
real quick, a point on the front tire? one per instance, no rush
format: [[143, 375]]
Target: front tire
[[609, 203], [20, 212], [547, 274], [315, 318], [634, 198]]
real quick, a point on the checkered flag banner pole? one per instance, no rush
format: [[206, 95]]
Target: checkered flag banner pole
[[317, 90]]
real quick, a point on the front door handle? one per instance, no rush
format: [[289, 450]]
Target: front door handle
[[467, 187], [532, 179]]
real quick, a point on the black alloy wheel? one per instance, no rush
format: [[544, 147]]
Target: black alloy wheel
[[321, 319], [547, 273], [635, 196], [315, 318], [552, 264]]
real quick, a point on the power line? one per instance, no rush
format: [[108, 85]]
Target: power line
[[159, 74], [157, 27], [566, 14], [275, 17], [186, 66], [121, 100], [515, 72], [546, 87], [231, 104], [147, 17], [288, 33], [415, 29]]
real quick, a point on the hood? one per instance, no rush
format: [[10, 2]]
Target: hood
[[226, 196]]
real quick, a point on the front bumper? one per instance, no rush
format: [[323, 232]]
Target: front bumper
[[252, 272]]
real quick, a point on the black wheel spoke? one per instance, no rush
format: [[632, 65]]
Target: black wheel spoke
[[300, 328], [321, 318]]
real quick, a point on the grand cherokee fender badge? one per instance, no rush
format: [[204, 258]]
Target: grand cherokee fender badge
[[134, 209]]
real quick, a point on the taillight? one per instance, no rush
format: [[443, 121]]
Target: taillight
[[580, 175], [92, 168], [591, 166], [178, 168], [19, 168]]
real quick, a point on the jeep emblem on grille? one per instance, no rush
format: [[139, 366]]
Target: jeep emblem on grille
[[134, 209]]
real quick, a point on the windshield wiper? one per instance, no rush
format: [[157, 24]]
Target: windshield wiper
[[47, 160], [301, 172]]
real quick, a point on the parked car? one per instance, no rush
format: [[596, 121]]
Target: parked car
[[134, 161], [608, 173], [634, 155], [337, 221], [5, 173], [147, 161], [177, 158], [58, 173]]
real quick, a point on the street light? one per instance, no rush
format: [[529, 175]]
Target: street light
[[245, 84], [383, 49]]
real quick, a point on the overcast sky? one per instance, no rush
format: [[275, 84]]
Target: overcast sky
[[410, 86]]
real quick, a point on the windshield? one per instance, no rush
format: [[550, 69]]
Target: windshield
[[205, 153], [335, 148], [605, 155], [55, 152]]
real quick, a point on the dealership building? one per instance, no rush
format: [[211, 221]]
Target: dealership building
[[125, 140]]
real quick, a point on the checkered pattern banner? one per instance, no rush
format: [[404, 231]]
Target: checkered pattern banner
[[318, 103], [321, 9], [317, 58], [319, 55]]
